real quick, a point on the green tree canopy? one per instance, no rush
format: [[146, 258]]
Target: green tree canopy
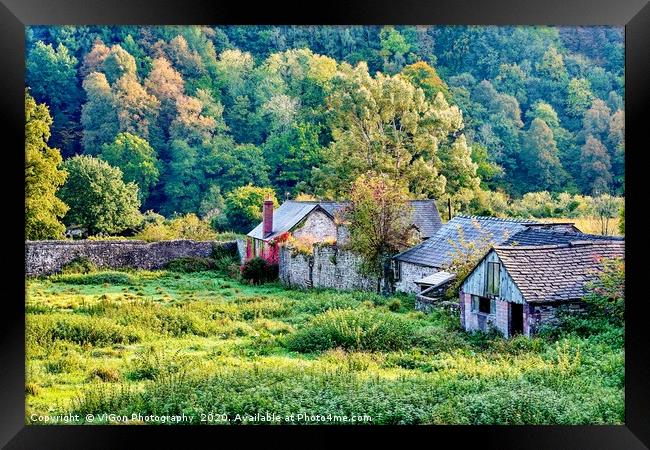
[[52, 77], [540, 156], [43, 176], [137, 160], [385, 125], [243, 207], [98, 197]]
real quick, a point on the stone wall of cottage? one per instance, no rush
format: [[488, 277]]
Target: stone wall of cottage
[[410, 274], [537, 315], [47, 257], [327, 267], [318, 225]]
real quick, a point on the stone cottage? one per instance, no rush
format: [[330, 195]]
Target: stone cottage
[[413, 266], [321, 222], [518, 288]]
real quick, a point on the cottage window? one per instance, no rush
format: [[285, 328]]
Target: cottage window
[[493, 277]]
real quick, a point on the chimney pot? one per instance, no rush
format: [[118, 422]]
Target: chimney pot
[[267, 218]]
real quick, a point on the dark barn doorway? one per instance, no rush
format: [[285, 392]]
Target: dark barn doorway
[[516, 318]]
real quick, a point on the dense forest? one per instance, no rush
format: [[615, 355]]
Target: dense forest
[[189, 114]]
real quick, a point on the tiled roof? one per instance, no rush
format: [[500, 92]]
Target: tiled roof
[[438, 250], [426, 217], [533, 236], [548, 273], [291, 212]]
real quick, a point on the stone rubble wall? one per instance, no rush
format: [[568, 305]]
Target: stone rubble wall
[[47, 257], [328, 267]]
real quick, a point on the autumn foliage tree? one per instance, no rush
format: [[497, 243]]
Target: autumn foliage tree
[[380, 220]]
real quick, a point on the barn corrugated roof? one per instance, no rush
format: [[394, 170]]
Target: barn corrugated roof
[[291, 212], [438, 250], [548, 273]]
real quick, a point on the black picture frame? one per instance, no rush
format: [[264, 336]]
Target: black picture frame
[[16, 14]]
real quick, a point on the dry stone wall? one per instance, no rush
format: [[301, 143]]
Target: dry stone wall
[[47, 257], [327, 267]]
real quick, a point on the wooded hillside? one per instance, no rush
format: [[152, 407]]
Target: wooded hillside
[[188, 114]]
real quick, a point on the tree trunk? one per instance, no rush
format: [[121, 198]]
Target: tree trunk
[[388, 278]]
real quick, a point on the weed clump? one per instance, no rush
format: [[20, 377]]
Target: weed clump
[[78, 265], [353, 329]]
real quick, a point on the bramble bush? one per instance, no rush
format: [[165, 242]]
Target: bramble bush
[[258, 270]]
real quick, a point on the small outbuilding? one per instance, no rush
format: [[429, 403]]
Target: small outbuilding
[[516, 288]]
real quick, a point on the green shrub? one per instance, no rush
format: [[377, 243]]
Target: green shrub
[[358, 329], [607, 293], [43, 330], [188, 226], [257, 270], [79, 265], [190, 264], [154, 363], [394, 305]]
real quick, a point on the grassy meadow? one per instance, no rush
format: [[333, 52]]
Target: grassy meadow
[[204, 345]]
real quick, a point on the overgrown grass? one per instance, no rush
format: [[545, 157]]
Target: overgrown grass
[[168, 342]]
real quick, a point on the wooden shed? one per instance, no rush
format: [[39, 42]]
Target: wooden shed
[[516, 289]]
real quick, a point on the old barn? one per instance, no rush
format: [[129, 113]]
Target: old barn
[[518, 288]]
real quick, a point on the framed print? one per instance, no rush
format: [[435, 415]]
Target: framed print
[[376, 219]]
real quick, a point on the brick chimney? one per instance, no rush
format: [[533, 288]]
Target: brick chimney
[[267, 218]]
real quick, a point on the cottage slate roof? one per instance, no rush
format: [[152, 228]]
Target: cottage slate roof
[[291, 212], [438, 250], [534, 236], [549, 273]]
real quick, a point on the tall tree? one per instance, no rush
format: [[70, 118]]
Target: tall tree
[[380, 219], [52, 76], [43, 176], [99, 198], [118, 63], [98, 115], [137, 110], [540, 157], [385, 125], [579, 97], [596, 165], [137, 160]]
